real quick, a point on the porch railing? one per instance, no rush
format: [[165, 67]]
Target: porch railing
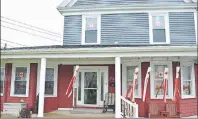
[[128, 109]]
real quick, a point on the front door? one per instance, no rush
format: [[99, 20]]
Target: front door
[[92, 84]]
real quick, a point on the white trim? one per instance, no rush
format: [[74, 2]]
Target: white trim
[[71, 3], [187, 63], [84, 28], [64, 3], [3, 67], [166, 20], [20, 64], [170, 79], [117, 87], [124, 79], [128, 9], [65, 109], [195, 19]]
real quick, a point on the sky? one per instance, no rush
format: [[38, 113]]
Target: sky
[[15, 14]]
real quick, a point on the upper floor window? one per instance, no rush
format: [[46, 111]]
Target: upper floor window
[[159, 28], [157, 76], [91, 26], [187, 80], [2, 81], [20, 81]]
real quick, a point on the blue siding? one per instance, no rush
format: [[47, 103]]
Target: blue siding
[[182, 28], [130, 28], [72, 29], [80, 3]]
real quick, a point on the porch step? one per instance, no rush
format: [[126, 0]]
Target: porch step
[[88, 111]]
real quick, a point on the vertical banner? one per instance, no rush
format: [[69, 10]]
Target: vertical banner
[[69, 89], [176, 90], [165, 83], [146, 82], [134, 84]]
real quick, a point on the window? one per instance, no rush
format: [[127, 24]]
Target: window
[[20, 81], [128, 70], [187, 80], [156, 80], [159, 28], [51, 81], [91, 26], [2, 81]]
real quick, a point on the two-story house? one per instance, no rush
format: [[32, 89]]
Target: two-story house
[[108, 39]]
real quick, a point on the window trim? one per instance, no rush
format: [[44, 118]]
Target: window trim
[[84, 28], [1, 94], [124, 80], [170, 80], [187, 63], [27, 65], [55, 80], [167, 29]]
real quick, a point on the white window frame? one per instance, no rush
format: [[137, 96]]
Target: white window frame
[[170, 79], [167, 29], [84, 28], [124, 78], [1, 94], [186, 63], [55, 67], [27, 65], [195, 19]]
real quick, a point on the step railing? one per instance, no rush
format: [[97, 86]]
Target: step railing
[[128, 109]]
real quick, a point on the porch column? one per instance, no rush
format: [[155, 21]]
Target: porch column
[[42, 87], [117, 88]]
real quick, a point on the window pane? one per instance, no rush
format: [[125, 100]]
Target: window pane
[[2, 74], [49, 74], [130, 76], [91, 23], [158, 88], [20, 87], [90, 96], [90, 80], [187, 87], [79, 86], [159, 35], [158, 22], [21, 73], [1, 86], [49, 87], [91, 36], [187, 71]]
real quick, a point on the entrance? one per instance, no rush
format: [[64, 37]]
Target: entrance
[[92, 85]]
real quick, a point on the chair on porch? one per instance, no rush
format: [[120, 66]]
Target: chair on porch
[[154, 110], [171, 108], [109, 102]]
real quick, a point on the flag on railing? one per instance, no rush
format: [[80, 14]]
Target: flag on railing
[[130, 86], [69, 89], [176, 90], [165, 83], [146, 82], [132, 98]]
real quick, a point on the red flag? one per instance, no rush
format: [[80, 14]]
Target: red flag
[[132, 98], [165, 83], [176, 90], [69, 89], [146, 83]]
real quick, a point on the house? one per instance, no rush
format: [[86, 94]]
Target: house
[[108, 39]]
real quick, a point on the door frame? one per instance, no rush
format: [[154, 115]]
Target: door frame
[[92, 68]]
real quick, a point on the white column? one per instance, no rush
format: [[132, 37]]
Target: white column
[[42, 87], [117, 88]]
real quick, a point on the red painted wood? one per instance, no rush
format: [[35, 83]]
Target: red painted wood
[[64, 77], [32, 86]]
